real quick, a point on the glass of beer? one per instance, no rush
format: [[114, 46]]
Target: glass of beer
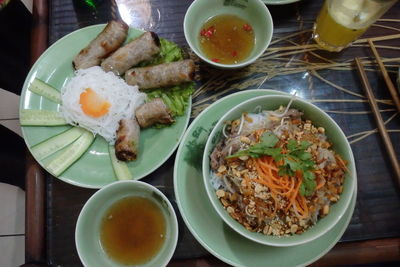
[[340, 22]]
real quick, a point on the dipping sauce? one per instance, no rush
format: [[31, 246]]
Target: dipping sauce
[[132, 230], [227, 39]]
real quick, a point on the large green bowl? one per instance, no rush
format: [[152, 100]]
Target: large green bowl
[[87, 232], [340, 145], [254, 11]]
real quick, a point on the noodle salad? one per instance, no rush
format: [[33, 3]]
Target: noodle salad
[[276, 173]]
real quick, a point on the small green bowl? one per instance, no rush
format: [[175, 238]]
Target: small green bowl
[[254, 11], [340, 145], [87, 232]]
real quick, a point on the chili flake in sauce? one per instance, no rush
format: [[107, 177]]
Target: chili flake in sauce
[[227, 39]]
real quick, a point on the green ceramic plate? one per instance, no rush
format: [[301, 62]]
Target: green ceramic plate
[[93, 169], [204, 222]]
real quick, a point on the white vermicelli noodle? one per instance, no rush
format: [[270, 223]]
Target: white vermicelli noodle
[[124, 99], [216, 181]]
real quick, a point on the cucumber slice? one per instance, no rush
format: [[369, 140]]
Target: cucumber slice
[[121, 170], [31, 117], [41, 88], [71, 154], [55, 143]]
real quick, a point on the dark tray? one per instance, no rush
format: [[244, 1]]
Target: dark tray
[[377, 211]]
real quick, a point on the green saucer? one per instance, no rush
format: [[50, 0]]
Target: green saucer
[[204, 222]]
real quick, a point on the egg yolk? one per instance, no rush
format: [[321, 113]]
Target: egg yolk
[[93, 104]]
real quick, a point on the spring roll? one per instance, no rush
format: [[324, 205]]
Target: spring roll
[[127, 143], [140, 49], [109, 40], [153, 112], [162, 75]]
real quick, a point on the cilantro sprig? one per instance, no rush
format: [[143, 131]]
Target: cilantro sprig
[[265, 147], [295, 158]]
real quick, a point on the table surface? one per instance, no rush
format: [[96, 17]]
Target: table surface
[[291, 63]]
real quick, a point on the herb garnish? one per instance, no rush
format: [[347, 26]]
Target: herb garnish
[[295, 158]]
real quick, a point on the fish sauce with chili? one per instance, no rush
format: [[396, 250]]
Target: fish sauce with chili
[[227, 39]]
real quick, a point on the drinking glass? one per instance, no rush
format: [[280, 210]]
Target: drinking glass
[[340, 22]]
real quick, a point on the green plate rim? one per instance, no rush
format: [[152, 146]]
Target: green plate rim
[[279, 2], [31, 75], [198, 237]]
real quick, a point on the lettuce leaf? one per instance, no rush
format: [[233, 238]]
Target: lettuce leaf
[[169, 52], [176, 97]]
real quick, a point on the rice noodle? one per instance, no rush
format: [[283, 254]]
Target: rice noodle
[[123, 100], [296, 211], [257, 109], [223, 131], [216, 182], [241, 124], [279, 115], [228, 185], [278, 130]]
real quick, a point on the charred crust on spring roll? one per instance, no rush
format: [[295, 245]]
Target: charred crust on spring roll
[[156, 38], [127, 143]]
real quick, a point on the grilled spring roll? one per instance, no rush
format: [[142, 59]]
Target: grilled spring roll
[[162, 75], [140, 49], [127, 143], [153, 112], [109, 40]]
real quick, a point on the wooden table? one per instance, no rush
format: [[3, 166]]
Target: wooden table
[[292, 62]]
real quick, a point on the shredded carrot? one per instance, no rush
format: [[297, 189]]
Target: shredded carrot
[[266, 176], [285, 186], [342, 162], [294, 195], [292, 185], [301, 205]]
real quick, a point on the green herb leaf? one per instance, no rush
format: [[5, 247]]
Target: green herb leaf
[[269, 139], [265, 147], [304, 145], [309, 176], [292, 144], [292, 163], [296, 159], [308, 184], [302, 189], [169, 52]]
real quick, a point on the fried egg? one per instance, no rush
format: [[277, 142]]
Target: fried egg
[[97, 100]]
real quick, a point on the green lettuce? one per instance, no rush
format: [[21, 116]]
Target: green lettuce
[[176, 97], [169, 52]]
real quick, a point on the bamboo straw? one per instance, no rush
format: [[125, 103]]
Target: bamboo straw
[[377, 115], [388, 81]]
